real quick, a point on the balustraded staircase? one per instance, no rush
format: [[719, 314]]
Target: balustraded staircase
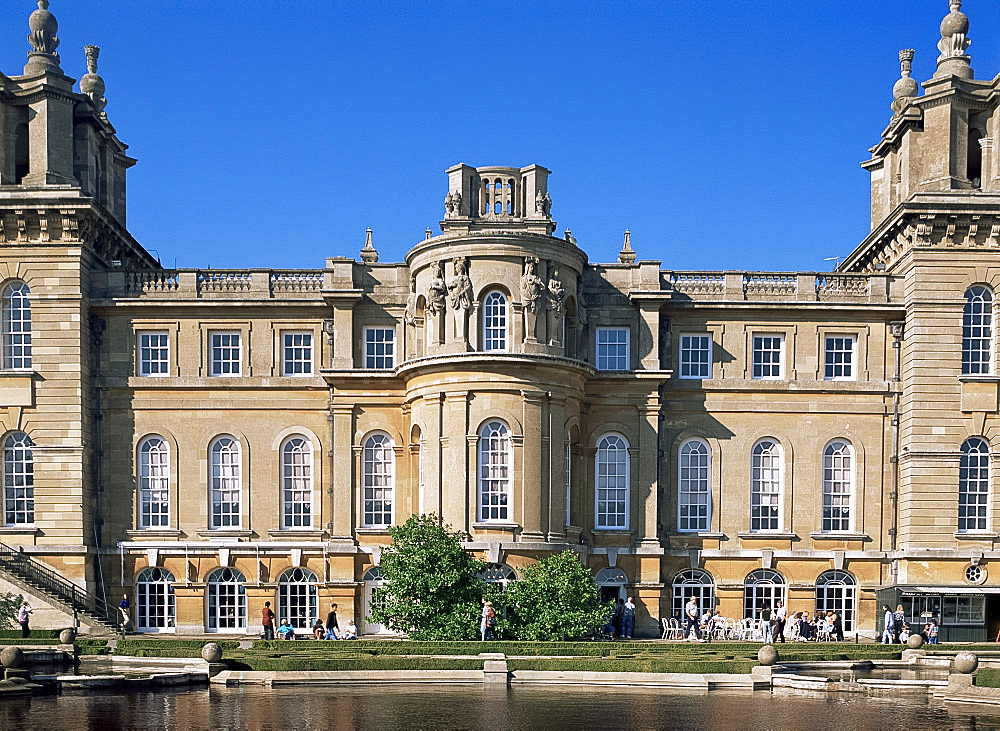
[[34, 577]]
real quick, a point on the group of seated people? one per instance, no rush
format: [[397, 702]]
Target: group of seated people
[[929, 633], [821, 626], [349, 631]]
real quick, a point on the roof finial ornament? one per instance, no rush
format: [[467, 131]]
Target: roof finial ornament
[[954, 42], [905, 88], [368, 254], [627, 255], [42, 58], [91, 83]]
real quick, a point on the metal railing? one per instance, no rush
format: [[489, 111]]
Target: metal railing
[[36, 574]]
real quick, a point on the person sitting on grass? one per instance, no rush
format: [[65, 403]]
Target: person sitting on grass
[[318, 630], [286, 631], [350, 631]]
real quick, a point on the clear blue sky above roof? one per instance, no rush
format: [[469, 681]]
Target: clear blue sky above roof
[[722, 134]]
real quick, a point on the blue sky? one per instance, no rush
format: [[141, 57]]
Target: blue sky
[[723, 134]]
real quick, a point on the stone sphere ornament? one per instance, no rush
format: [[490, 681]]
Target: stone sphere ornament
[[966, 662], [211, 652], [915, 642], [67, 636], [12, 657], [767, 655]]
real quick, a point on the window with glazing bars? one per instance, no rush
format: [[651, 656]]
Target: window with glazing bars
[[379, 342], [977, 332], [16, 325], [297, 354], [154, 354]]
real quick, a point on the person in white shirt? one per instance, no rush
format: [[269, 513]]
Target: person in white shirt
[[628, 618], [780, 613], [691, 618]]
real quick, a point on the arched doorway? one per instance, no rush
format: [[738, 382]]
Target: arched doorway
[[611, 582], [298, 598], [374, 588]]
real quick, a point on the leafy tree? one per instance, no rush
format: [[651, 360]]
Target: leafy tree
[[556, 599], [433, 591], [9, 604]]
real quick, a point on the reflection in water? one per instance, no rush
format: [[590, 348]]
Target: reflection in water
[[473, 707]]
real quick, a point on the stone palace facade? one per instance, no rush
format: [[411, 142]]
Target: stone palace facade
[[206, 440]]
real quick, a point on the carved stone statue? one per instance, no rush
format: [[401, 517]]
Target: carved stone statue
[[437, 290], [556, 296], [539, 202], [449, 206], [457, 198], [409, 314], [532, 291], [460, 296]]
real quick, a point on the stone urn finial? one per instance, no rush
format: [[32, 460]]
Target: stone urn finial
[[91, 83]]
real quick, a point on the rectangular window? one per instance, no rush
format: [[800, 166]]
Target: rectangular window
[[839, 358], [696, 356], [379, 347], [612, 348], [768, 356], [154, 354], [226, 354], [296, 354], [963, 609]]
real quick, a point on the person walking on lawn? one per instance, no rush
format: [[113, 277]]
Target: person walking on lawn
[[332, 628]]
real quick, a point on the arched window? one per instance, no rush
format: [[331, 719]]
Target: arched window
[[838, 486], [494, 472], [154, 483], [762, 588], [697, 583], [974, 164], [227, 483], [16, 325], [973, 485], [495, 321], [977, 331], [298, 598], [765, 486], [836, 591], [497, 573], [377, 473], [18, 480], [227, 600], [694, 493], [612, 583], [612, 473], [296, 483], [569, 480], [375, 587], [154, 600]]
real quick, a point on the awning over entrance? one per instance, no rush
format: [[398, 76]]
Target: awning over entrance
[[910, 590]]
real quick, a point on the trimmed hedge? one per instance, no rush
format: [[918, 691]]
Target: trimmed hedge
[[35, 634], [988, 678], [253, 662]]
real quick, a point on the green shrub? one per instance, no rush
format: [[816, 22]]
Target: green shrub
[[988, 678], [251, 662], [634, 665], [8, 634]]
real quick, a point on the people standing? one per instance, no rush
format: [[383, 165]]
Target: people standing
[[691, 619], [765, 623], [617, 619], [932, 633], [779, 622], [838, 626], [123, 607], [332, 628], [628, 619], [267, 621], [899, 619], [23, 615], [488, 621], [888, 625]]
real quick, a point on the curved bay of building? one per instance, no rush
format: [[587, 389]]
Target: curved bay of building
[[208, 440]]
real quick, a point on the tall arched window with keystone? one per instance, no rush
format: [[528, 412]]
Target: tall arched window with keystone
[[16, 325], [696, 583], [298, 598], [227, 600], [296, 483], [227, 483], [836, 591], [838, 486], [154, 483], [977, 332], [495, 321], [377, 474], [18, 480], [765, 486], [694, 489], [611, 470], [762, 587], [154, 600], [973, 486], [494, 472]]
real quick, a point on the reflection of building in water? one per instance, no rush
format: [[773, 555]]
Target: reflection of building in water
[[208, 440]]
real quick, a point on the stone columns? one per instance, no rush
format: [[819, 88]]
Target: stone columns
[[50, 136], [342, 472], [649, 333], [534, 467], [342, 353], [454, 467], [648, 488], [557, 468]]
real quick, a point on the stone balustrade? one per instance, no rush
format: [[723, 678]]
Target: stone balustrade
[[220, 283], [778, 286]]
